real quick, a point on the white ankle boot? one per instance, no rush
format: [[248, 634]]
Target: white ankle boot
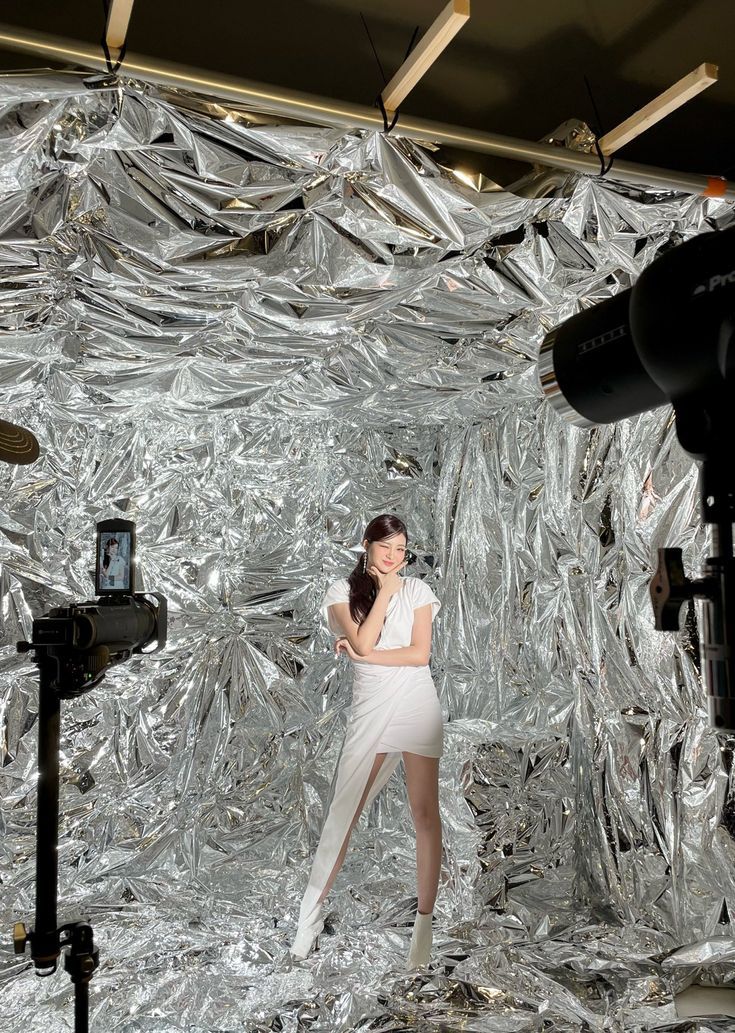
[[306, 935], [419, 952]]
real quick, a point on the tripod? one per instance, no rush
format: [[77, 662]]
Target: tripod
[[81, 957]]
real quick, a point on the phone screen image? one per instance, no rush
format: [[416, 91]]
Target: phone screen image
[[114, 560]]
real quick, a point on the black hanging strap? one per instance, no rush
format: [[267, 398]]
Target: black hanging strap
[[387, 126], [597, 129], [112, 66]]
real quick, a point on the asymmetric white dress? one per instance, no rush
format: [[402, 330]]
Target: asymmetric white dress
[[393, 709]]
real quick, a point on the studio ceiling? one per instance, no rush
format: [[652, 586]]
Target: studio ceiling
[[515, 69]]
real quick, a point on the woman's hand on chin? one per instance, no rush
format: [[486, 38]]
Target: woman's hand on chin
[[343, 645]]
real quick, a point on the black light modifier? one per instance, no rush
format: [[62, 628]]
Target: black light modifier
[[669, 340]]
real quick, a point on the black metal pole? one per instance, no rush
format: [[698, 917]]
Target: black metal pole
[[81, 1006], [719, 630], [45, 948]]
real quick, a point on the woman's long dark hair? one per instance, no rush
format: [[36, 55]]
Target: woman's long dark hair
[[363, 588], [106, 558]]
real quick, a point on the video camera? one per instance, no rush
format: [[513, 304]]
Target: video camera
[[76, 644]]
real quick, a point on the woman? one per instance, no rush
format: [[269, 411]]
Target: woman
[[383, 622], [113, 566]]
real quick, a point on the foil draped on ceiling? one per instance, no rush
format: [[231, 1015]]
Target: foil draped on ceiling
[[251, 338]]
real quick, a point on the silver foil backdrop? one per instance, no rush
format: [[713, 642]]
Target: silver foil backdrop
[[250, 339]]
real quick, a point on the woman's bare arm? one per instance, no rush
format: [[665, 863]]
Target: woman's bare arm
[[403, 656], [362, 637], [415, 655]]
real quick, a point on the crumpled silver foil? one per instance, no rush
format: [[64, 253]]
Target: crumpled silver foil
[[251, 338]]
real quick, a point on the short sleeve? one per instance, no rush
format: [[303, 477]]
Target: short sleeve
[[338, 592], [423, 595]]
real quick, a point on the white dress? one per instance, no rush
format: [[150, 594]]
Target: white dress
[[393, 709]]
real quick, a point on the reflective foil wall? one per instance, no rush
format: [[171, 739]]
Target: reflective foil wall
[[250, 339]]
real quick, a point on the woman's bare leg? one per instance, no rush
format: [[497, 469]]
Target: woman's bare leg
[[377, 764], [422, 783]]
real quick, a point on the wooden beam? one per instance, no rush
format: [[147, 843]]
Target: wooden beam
[[118, 19], [660, 107], [436, 38]]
